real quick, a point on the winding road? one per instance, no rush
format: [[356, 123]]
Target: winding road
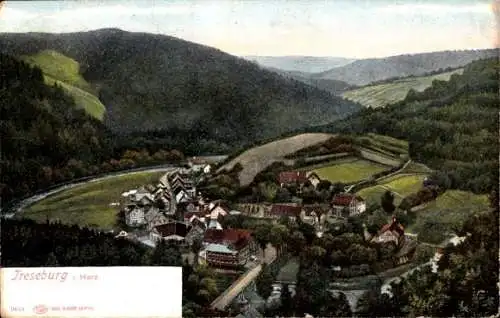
[[20, 206]]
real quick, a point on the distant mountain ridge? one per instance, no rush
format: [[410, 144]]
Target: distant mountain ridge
[[191, 92], [362, 72], [302, 64]]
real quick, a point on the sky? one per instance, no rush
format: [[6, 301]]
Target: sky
[[351, 28]]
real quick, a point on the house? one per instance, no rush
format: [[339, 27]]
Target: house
[[292, 177], [199, 165], [314, 214], [154, 218], [142, 196], [228, 247], [174, 232], [291, 211], [392, 233], [182, 196], [217, 209], [347, 204], [134, 215], [313, 178]]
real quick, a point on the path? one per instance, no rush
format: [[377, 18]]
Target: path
[[242, 282]]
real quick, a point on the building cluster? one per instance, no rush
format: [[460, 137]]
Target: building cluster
[[173, 211]]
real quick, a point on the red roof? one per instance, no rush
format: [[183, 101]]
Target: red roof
[[292, 177], [345, 199], [237, 237], [285, 210], [394, 226]]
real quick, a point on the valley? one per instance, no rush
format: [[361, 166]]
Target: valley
[[282, 185]]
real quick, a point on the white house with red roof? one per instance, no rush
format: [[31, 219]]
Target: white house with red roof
[[392, 232], [228, 247], [348, 203]]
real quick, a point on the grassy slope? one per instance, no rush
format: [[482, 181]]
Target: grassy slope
[[349, 172], [64, 71], [401, 185], [257, 159], [383, 94], [89, 203], [449, 210]]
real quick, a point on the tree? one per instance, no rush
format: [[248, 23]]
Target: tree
[[278, 237], [282, 195], [387, 202], [262, 235], [296, 242], [324, 185], [264, 282], [196, 246], [308, 231], [286, 300], [165, 255]]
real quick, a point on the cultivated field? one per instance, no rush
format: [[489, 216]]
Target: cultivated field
[[401, 185], [257, 159], [60, 69], [384, 94], [348, 172], [89, 203], [450, 210]]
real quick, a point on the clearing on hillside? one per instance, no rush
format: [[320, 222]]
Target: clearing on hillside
[[380, 95], [257, 159], [401, 185], [83, 99], [64, 71], [89, 203], [348, 172], [449, 211]]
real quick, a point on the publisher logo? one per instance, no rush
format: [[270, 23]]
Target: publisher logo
[[40, 309]]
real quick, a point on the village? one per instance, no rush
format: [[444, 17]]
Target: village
[[175, 211]]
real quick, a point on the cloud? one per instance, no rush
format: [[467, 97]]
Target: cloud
[[434, 9], [87, 18]]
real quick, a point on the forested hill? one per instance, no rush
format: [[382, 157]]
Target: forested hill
[[362, 72], [152, 82], [451, 126], [46, 139], [41, 128]]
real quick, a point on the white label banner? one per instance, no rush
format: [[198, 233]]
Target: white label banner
[[91, 292]]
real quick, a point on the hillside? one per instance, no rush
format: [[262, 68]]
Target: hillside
[[256, 159], [303, 64], [362, 72], [451, 126], [42, 132], [65, 71], [188, 92], [379, 95]]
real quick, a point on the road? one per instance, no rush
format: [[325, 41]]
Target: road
[[242, 282], [20, 206]]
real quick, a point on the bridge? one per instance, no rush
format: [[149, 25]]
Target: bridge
[[228, 296]]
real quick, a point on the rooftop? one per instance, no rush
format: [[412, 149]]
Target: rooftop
[[285, 210], [236, 237], [292, 176], [345, 199]]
